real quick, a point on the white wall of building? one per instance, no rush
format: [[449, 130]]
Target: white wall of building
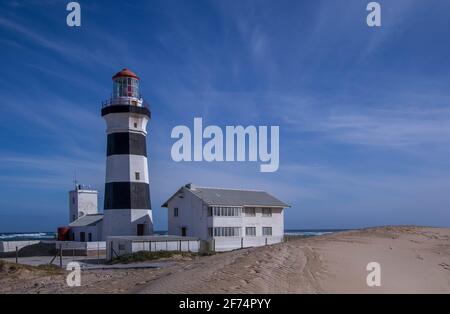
[[193, 215], [123, 246], [123, 222], [96, 231], [72, 245], [10, 246], [182, 246], [82, 202], [221, 244], [276, 221]]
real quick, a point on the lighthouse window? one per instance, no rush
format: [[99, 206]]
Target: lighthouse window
[[138, 176], [126, 87]]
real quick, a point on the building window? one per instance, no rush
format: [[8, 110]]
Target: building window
[[210, 232], [250, 231], [227, 231], [210, 211], [267, 231], [227, 211], [175, 212], [250, 212], [135, 125], [137, 175], [267, 212]]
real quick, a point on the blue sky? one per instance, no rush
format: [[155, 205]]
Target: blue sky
[[364, 113]]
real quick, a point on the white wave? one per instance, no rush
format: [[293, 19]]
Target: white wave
[[24, 235]]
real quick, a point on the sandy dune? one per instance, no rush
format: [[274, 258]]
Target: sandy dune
[[412, 260]]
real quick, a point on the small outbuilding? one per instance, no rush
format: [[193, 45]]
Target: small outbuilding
[[88, 228]]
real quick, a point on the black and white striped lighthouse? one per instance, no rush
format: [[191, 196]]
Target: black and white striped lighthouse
[[127, 208]]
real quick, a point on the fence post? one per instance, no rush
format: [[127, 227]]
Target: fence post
[[242, 243], [60, 255], [189, 247], [17, 255], [266, 241], [180, 246]]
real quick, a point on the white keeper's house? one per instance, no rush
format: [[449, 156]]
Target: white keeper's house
[[227, 218]]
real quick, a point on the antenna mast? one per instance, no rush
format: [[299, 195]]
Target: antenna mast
[[75, 182]]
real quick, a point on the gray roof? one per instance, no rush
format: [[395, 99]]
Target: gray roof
[[233, 197], [88, 220]]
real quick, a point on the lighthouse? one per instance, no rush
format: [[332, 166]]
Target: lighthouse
[[127, 208]]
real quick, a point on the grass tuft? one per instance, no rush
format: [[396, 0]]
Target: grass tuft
[[12, 268], [144, 256]]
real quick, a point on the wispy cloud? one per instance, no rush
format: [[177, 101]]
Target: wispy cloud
[[51, 172], [72, 52]]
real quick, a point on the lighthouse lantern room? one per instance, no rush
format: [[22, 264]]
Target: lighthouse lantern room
[[127, 208]]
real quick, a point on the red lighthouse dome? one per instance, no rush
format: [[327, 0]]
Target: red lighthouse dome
[[125, 73]]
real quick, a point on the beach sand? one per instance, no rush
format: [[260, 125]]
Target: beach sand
[[412, 260]]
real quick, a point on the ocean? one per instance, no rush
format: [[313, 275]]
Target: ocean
[[28, 236], [310, 232]]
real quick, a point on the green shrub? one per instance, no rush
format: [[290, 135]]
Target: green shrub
[[144, 256]]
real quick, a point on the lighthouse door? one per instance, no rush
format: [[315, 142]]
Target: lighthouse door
[[140, 229]]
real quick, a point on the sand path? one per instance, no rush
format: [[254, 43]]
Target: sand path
[[412, 259]]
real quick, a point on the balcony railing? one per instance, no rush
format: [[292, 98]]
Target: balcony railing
[[124, 101]]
